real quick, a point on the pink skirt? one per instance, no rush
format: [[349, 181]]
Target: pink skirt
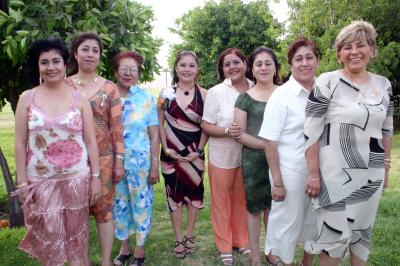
[[56, 217]]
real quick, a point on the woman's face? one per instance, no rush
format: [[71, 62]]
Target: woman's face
[[186, 69], [51, 66], [304, 65], [356, 55], [127, 74], [233, 67], [264, 68], [88, 55]]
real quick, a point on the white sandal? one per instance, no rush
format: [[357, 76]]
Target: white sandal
[[226, 258]]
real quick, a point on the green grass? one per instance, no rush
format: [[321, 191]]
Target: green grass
[[159, 245]]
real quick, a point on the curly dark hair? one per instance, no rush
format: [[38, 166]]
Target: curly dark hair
[[37, 48]]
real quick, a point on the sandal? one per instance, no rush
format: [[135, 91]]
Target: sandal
[[121, 259], [179, 254], [243, 251], [277, 263], [137, 261], [226, 258], [189, 248]]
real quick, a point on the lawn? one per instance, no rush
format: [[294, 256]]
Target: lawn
[[159, 245]]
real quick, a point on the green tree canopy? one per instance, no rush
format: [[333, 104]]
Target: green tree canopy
[[122, 24], [210, 29], [322, 21]]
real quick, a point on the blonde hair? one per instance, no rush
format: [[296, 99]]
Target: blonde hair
[[356, 30]]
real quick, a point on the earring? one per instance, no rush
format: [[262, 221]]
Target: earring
[[40, 79]]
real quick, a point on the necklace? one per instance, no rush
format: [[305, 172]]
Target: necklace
[[186, 92], [83, 82], [368, 92]]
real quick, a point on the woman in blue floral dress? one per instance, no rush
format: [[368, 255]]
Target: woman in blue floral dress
[[134, 195]]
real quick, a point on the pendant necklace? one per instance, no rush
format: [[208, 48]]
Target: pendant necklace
[[186, 92], [83, 82]]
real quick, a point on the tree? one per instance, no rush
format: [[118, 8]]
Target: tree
[[122, 24], [322, 21], [210, 29]]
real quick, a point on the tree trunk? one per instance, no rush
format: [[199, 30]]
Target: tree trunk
[[14, 206]]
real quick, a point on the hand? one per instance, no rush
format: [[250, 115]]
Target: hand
[[313, 186], [234, 131], [191, 156], [154, 176], [173, 154], [278, 193], [22, 196], [119, 171], [95, 192]]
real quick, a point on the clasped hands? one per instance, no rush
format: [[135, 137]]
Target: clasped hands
[[233, 131], [188, 158]]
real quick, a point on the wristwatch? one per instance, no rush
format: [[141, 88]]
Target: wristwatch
[[200, 152]]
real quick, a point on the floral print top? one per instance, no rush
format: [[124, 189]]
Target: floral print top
[[139, 112], [55, 145]]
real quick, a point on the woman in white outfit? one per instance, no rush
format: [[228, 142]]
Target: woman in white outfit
[[282, 129]]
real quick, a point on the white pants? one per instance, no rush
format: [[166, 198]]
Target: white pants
[[292, 219]]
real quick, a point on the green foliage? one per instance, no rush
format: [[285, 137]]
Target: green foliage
[[210, 29], [322, 21], [122, 24]]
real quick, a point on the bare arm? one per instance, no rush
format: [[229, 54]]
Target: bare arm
[[313, 184], [89, 137], [277, 187], [247, 140], [21, 137], [387, 145], [154, 154]]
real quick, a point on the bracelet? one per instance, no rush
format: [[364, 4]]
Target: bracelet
[[95, 175], [226, 132], [315, 178], [120, 156], [277, 185], [200, 151], [23, 184]]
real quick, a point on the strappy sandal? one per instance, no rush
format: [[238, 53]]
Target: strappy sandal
[[191, 248], [137, 261], [179, 254], [121, 259], [277, 263], [243, 251], [226, 258]]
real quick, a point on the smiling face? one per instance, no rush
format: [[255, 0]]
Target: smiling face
[[264, 68], [234, 68], [127, 74], [356, 55], [88, 55], [304, 65], [186, 69], [51, 66]]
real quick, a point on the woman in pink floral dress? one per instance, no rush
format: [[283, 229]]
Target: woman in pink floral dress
[[54, 142]]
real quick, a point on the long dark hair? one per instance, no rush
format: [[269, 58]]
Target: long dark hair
[[178, 57], [253, 55], [36, 49], [78, 40]]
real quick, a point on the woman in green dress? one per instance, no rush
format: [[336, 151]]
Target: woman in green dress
[[249, 110]]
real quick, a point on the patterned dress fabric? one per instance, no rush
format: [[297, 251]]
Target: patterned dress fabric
[[183, 180], [255, 167], [107, 115], [349, 121], [133, 202], [57, 207]]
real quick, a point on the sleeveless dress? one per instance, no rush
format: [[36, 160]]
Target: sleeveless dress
[[255, 166], [57, 207], [183, 180]]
